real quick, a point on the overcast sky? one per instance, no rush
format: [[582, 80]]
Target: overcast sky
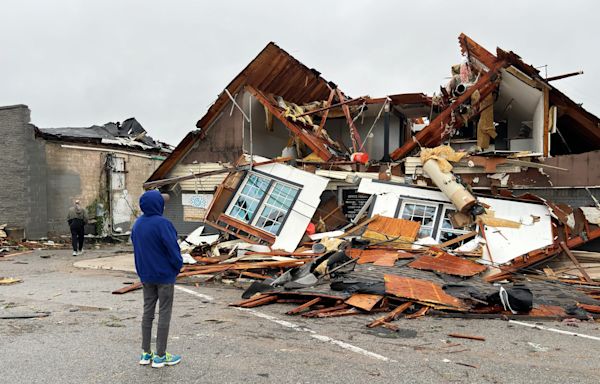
[[84, 62]]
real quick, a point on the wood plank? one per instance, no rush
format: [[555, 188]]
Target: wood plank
[[128, 288], [324, 310], [585, 275], [458, 239], [421, 312], [304, 306], [342, 312], [364, 301], [390, 316], [316, 144], [259, 302], [356, 140], [470, 337], [324, 117]]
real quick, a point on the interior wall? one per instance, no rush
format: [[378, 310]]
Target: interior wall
[[264, 143], [338, 130]]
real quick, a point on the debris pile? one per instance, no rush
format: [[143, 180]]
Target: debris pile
[[480, 211]]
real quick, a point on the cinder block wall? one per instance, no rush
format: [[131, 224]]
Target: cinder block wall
[[80, 174], [22, 173]]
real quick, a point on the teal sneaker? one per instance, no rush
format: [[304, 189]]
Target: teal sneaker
[[146, 358], [167, 359]]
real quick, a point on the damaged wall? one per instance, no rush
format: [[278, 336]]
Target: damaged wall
[[80, 174], [22, 173]]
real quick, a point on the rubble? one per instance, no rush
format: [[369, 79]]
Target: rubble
[[460, 220]]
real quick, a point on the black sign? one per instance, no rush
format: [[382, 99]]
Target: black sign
[[352, 202]]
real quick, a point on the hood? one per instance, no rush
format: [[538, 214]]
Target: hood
[[152, 203]]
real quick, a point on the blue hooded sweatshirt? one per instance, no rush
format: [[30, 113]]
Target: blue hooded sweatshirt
[[157, 254]]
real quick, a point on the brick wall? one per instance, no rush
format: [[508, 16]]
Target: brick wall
[[22, 173]]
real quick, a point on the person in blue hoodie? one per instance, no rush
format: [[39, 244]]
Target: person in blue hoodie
[[157, 262]]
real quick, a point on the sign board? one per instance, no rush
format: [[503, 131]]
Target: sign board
[[352, 201]]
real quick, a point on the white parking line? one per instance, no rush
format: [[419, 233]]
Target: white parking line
[[197, 294], [554, 330], [296, 327]]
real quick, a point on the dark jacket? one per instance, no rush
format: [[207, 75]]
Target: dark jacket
[[77, 217], [157, 254]]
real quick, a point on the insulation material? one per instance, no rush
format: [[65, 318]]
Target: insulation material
[[592, 214], [420, 290], [485, 127], [444, 154], [193, 214]]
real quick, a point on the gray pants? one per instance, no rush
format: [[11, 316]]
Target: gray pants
[[163, 293]]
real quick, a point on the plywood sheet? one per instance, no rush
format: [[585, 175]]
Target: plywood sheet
[[420, 290], [378, 256], [446, 263], [364, 301]]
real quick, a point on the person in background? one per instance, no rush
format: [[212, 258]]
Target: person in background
[[157, 262], [77, 219]]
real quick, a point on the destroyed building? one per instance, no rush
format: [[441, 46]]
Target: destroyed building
[[43, 170], [488, 180]]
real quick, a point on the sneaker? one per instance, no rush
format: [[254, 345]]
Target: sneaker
[[167, 359], [80, 252], [74, 253], [146, 358]]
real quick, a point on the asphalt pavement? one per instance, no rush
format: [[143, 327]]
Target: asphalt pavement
[[93, 336]]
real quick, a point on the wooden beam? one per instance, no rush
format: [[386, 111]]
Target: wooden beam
[[324, 118], [470, 337], [484, 85], [585, 275], [356, 140], [330, 106], [304, 306], [128, 288], [390, 316], [313, 142], [458, 239]]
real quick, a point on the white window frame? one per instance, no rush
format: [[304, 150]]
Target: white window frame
[[263, 202], [456, 231], [424, 204]]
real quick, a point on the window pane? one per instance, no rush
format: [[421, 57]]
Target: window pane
[[247, 202], [276, 207]]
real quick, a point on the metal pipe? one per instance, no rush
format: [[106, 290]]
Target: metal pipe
[[460, 89]]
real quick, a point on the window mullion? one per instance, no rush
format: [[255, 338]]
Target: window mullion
[[261, 204]]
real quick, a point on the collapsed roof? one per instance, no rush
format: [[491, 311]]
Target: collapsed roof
[[129, 133], [583, 132]]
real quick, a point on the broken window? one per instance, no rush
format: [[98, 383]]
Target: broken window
[[263, 202], [249, 197], [421, 213], [447, 231]]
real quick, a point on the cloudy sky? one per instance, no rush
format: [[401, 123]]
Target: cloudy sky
[[84, 62]]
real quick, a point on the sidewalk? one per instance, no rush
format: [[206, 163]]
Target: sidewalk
[[124, 263]]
